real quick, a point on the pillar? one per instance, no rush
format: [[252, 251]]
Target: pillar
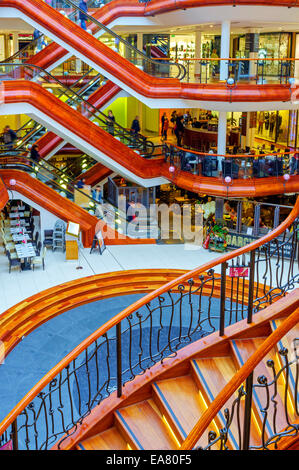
[[224, 49], [198, 38], [222, 126]]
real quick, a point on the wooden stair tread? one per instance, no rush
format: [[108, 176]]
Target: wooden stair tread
[[244, 349], [287, 340], [110, 439], [174, 394], [143, 421]]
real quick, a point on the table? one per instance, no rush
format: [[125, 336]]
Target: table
[[20, 237], [17, 230], [25, 251], [20, 222], [15, 215], [20, 208]]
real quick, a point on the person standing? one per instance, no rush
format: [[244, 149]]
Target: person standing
[[135, 128], [82, 17], [179, 129], [162, 122], [34, 155], [165, 128], [110, 122], [9, 136]]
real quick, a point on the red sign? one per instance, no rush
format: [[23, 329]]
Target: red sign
[[238, 272], [7, 446]]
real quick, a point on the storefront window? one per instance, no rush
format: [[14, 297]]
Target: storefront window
[[276, 45]]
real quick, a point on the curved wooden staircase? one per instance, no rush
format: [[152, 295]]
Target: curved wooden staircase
[[160, 413]]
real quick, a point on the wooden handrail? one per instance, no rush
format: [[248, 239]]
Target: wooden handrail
[[137, 305], [238, 379]]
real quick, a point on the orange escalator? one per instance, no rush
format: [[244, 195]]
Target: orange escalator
[[126, 74], [118, 157], [50, 141], [3, 194], [61, 207]]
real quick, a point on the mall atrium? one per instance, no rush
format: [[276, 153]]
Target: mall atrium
[[149, 261]]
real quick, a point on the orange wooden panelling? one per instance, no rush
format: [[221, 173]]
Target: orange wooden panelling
[[107, 440], [3, 194]]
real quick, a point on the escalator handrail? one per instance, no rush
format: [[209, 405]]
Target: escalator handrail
[[142, 139], [70, 181], [181, 68]]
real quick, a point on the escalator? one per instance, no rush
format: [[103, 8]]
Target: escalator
[[49, 141], [54, 190], [152, 82], [115, 153]]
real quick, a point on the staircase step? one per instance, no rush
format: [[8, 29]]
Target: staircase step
[[213, 374], [110, 439], [243, 349], [172, 396], [287, 342], [144, 425]]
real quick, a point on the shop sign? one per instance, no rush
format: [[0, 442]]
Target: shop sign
[[238, 240], [238, 271]]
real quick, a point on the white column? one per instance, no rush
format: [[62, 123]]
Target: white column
[[297, 57], [198, 36], [15, 42], [221, 141], [224, 50], [140, 41]]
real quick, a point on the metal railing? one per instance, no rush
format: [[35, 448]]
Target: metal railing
[[233, 166]]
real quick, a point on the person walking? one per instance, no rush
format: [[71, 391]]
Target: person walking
[[82, 17], [9, 136]]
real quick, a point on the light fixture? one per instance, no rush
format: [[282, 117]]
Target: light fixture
[[230, 81], [171, 169], [12, 182]]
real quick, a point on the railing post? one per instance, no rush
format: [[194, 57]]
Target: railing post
[[14, 435], [251, 286], [118, 355], [222, 298], [247, 412]]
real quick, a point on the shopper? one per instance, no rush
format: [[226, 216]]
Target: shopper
[[179, 129], [9, 136], [82, 17], [34, 155], [165, 128], [162, 122], [110, 122], [135, 127]]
